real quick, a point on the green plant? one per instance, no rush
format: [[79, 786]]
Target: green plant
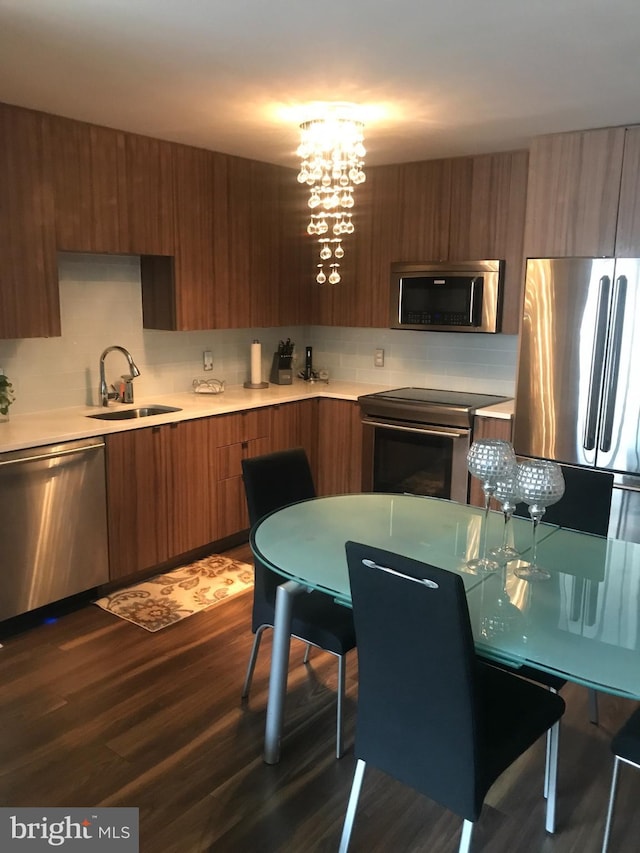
[[6, 394]]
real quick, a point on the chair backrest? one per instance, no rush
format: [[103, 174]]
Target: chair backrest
[[417, 702], [275, 480], [586, 503]]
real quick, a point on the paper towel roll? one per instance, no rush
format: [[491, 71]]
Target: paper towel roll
[[256, 363]]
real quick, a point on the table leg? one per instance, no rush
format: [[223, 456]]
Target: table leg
[[279, 668]]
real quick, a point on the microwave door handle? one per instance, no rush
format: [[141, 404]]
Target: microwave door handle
[[472, 300], [613, 362], [597, 364]]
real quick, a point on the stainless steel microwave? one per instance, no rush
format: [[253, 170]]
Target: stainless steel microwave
[[460, 296]]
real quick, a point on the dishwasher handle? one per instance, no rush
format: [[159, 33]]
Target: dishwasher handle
[[55, 455]]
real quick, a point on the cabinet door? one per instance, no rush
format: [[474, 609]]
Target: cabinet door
[[628, 231], [572, 195], [89, 168], [29, 302], [425, 209], [149, 195], [487, 428], [136, 501], [487, 221], [190, 493], [296, 425], [194, 238], [234, 299], [235, 437], [362, 298], [339, 447]]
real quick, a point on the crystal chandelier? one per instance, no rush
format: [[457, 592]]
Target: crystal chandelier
[[332, 155]]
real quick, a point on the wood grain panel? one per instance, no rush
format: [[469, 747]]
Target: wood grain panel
[[193, 190], [295, 425], [89, 170], [572, 195], [190, 475], [264, 247], [149, 195], [425, 210], [29, 302], [238, 292], [628, 230], [339, 447], [494, 228], [137, 500]]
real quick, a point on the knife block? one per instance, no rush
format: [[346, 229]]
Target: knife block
[[281, 371]]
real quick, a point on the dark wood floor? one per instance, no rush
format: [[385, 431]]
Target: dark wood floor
[[98, 712]]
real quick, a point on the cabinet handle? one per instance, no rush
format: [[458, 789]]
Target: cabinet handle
[[245, 444]]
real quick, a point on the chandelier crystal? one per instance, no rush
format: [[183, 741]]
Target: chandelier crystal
[[332, 154]]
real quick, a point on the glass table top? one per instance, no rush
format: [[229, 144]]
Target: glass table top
[[583, 623]]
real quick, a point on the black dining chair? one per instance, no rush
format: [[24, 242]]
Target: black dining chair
[[625, 746], [585, 506], [271, 482], [430, 713]]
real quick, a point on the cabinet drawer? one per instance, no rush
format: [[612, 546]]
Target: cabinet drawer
[[242, 426], [229, 458]]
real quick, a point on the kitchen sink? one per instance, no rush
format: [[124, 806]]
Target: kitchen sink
[[139, 412]]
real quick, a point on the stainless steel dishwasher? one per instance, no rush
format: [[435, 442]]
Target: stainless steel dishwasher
[[53, 524]]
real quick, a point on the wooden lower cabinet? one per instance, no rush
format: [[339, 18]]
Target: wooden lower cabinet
[[484, 427], [339, 447], [160, 503], [233, 438], [174, 488]]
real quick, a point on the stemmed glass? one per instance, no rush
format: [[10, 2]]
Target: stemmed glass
[[541, 484], [488, 459], [508, 493]]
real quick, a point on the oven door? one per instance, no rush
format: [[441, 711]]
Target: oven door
[[408, 458]]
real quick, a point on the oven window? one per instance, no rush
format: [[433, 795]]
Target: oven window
[[413, 463]]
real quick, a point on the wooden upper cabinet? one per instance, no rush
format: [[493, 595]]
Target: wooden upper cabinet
[[424, 208], [573, 193], [29, 302], [149, 195], [487, 221], [89, 171], [628, 230]]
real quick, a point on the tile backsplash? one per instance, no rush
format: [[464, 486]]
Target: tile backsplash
[[101, 305]]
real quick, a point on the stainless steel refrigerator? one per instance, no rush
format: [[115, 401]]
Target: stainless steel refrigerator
[[578, 392]]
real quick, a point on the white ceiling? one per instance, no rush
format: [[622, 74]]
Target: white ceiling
[[438, 79]]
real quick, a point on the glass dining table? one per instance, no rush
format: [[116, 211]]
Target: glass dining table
[[582, 624]]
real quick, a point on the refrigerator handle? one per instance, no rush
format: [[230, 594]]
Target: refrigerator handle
[[613, 362], [597, 364]]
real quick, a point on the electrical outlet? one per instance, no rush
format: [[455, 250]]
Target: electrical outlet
[[207, 360], [378, 358]]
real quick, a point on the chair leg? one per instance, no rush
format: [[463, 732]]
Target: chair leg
[[352, 805], [465, 838], [593, 707], [252, 661], [339, 710], [305, 659], [612, 799], [547, 760], [551, 771]]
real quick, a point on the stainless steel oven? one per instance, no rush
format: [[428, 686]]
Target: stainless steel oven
[[415, 440]]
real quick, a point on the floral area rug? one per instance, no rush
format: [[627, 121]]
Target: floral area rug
[[168, 598]]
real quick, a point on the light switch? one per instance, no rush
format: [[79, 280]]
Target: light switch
[[207, 360], [378, 358]]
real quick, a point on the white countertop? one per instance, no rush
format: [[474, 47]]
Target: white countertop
[[51, 427]]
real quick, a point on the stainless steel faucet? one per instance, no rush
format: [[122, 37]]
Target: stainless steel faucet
[[104, 393]]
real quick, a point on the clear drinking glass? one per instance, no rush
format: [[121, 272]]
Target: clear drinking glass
[[508, 493], [488, 459], [541, 484]]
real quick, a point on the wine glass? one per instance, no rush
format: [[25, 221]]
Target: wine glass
[[488, 459], [541, 484], [508, 493]]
